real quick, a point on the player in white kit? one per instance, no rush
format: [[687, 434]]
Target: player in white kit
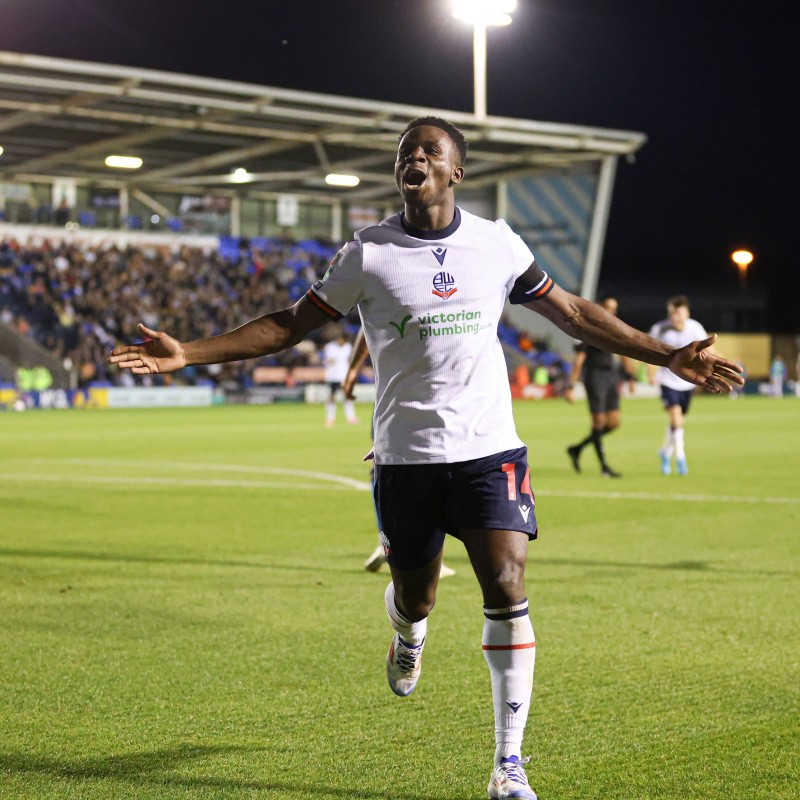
[[676, 394], [336, 360], [430, 284]]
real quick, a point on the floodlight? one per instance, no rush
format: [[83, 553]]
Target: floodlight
[[742, 258], [335, 179], [481, 14], [484, 12], [241, 175], [124, 162]]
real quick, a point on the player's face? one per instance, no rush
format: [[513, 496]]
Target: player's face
[[427, 166], [678, 316]]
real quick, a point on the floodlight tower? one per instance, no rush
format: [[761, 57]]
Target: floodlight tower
[[481, 14], [742, 259]]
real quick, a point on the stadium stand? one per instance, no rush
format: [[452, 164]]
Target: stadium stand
[[73, 303]]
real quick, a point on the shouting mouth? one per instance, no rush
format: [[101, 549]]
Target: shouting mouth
[[414, 178]]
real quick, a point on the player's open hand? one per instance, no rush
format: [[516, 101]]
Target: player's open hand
[[349, 384], [697, 363], [159, 353]]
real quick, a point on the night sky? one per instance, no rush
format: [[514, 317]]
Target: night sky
[[712, 84]]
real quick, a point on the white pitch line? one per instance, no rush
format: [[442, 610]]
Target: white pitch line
[[147, 480], [686, 498], [351, 483], [342, 481]]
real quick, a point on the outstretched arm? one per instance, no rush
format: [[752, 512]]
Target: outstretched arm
[[357, 359], [591, 323], [271, 333]]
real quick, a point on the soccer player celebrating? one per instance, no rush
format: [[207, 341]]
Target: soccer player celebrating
[[430, 284], [676, 393]]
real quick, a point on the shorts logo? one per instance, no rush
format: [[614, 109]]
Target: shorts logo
[[440, 253], [387, 545], [525, 511], [444, 285]]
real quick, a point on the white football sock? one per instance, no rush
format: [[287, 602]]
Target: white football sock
[[410, 632], [509, 648], [349, 410], [330, 412], [677, 437], [668, 448]]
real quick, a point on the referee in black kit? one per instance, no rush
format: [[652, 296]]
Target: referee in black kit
[[601, 377]]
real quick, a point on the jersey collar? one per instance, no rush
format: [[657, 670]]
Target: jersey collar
[[440, 234]]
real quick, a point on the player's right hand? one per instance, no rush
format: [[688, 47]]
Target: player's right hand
[[348, 385], [159, 353]]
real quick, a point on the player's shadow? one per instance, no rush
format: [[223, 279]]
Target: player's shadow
[[154, 768], [690, 566], [177, 561]]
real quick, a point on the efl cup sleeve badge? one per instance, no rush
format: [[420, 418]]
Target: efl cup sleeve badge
[[444, 285], [336, 259]]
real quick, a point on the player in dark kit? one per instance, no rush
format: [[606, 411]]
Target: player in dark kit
[[447, 456], [600, 374]]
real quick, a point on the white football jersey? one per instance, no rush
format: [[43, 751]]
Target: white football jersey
[[430, 302], [336, 358], [692, 331]]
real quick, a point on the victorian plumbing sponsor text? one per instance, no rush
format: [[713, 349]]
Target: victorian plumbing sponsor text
[[451, 324]]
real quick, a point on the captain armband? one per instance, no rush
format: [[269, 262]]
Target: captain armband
[[533, 284]]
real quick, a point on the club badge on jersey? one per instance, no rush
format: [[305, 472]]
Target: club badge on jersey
[[444, 285]]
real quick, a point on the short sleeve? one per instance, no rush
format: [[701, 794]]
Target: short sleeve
[[528, 281], [340, 288], [521, 255]]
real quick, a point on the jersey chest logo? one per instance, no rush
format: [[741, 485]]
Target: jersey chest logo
[[439, 253], [444, 285]]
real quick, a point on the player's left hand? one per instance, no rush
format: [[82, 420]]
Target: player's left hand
[[698, 364], [157, 354]]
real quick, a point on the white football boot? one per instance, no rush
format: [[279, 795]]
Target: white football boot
[[403, 665], [509, 780], [376, 560]]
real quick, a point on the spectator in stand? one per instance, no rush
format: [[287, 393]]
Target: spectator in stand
[[63, 213]]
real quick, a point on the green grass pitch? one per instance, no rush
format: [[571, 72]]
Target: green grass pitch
[[184, 613]]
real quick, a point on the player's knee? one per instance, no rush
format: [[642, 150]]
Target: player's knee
[[416, 607], [507, 585]]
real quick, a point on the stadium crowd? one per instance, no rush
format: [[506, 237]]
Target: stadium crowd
[[79, 301]]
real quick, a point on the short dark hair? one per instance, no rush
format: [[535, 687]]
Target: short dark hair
[[678, 300], [437, 122]]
